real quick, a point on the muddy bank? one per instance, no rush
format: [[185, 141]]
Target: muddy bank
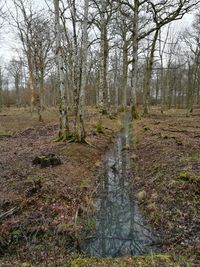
[[43, 204], [167, 179]]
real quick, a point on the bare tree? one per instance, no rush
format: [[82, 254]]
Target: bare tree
[[15, 70], [81, 133], [64, 124]]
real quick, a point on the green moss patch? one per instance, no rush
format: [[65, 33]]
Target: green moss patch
[[138, 261], [189, 177]]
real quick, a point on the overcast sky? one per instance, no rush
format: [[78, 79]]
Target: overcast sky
[[9, 42]]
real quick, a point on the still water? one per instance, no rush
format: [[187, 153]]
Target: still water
[[120, 229]]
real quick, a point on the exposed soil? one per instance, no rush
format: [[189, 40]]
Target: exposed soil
[[43, 204], [167, 180]]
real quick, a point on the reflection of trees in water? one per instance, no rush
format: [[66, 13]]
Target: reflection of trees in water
[[120, 229]]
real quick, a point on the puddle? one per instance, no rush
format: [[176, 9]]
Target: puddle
[[120, 229]]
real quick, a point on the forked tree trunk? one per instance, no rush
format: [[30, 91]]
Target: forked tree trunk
[[64, 125]]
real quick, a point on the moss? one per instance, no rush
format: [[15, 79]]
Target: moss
[[121, 109], [191, 159], [189, 177], [99, 127], [184, 175], [91, 223], [47, 160], [142, 261]]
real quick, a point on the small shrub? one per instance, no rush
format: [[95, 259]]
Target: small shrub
[[99, 127]]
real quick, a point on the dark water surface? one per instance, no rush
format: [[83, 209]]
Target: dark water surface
[[120, 229]]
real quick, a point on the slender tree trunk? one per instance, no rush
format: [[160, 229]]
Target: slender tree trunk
[[161, 51], [147, 79], [81, 134], [42, 101], [31, 82], [157, 88], [191, 92], [116, 81], [135, 60], [76, 71], [17, 91], [125, 74], [64, 125], [38, 90], [103, 62], [1, 100]]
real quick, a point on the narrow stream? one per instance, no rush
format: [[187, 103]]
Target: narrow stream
[[120, 229]]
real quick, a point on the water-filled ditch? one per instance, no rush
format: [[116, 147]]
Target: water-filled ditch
[[120, 228]]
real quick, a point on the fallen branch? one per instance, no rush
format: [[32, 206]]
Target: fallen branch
[[8, 213], [174, 130]]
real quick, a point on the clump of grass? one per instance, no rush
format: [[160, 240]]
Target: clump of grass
[[191, 159], [189, 177], [99, 127], [121, 109]]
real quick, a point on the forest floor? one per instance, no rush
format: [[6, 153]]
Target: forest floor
[[167, 178], [42, 228]]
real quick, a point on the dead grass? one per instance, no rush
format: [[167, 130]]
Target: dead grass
[[168, 170], [43, 229], [13, 120]]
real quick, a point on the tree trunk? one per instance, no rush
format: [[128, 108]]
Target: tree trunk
[[103, 62], [64, 125], [147, 79], [17, 91], [135, 60], [81, 133], [125, 74], [116, 81], [1, 100], [31, 83]]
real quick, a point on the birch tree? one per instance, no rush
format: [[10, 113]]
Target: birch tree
[[80, 134], [64, 124], [1, 94], [104, 11]]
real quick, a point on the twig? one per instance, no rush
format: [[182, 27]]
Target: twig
[[8, 213]]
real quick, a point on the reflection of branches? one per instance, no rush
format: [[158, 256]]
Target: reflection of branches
[[120, 228]]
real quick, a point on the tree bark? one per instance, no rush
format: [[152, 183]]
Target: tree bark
[[103, 61], [135, 60], [125, 74], [147, 79], [1, 100], [64, 125], [81, 133]]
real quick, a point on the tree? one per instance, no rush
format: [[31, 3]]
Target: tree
[[192, 39], [15, 70], [1, 94], [64, 124], [81, 133]]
